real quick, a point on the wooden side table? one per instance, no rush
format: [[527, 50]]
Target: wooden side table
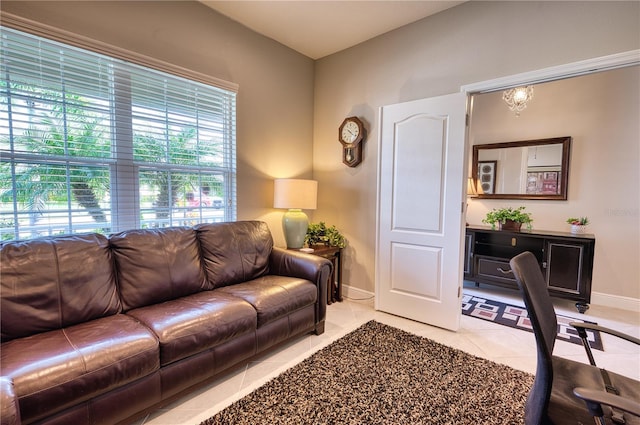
[[333, 254]]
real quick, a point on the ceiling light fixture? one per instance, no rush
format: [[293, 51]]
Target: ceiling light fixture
[[517, 98]]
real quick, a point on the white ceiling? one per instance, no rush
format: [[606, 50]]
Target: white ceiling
[[318, 28]]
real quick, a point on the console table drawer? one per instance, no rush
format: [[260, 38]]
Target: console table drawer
[[506, 245], [488, 267]]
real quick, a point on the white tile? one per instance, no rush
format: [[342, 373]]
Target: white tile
[[505, 342], [174, 417], [523, 363]]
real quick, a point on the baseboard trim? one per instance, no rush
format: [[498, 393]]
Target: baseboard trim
[[357, 294], [597, 298], [615, 301]]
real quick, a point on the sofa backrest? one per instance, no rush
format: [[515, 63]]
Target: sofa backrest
[[156, 265], [53, 282], [58, 281], [234, 252]]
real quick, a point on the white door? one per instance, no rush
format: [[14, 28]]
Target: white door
[[421, 184]]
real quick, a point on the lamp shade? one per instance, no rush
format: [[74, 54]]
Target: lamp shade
[[295, 193], [473, 187]]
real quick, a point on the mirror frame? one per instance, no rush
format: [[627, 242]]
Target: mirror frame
[[564, 172]]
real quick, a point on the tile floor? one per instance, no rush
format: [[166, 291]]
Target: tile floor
[[492, 341]]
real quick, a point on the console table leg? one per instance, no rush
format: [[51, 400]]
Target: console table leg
[[582, 307]]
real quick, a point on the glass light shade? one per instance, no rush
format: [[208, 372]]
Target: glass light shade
[[296, 195], [517, 98]]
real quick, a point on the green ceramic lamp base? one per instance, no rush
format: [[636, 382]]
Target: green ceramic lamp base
[[295, 224]]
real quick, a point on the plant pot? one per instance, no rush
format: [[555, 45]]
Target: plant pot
[[510, 225], [578, 228]]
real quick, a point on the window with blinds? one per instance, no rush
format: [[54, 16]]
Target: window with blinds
[[90, 143]]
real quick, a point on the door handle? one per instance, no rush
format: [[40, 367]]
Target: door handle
[[503, 271]]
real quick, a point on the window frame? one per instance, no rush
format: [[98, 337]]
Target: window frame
[[123, 168]]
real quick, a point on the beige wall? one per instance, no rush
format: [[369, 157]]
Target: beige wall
[[473, 42], [288, 117], [275, 97], [600, 112]]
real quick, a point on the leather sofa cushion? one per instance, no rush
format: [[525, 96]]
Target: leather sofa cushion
[[195, 323], [60, 368], [9, 410], [274, 296], [235, 252], [157, 265], [54, 282]]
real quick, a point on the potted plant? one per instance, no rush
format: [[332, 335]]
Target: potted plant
[[508, 218], [578, 224], [320, 234]]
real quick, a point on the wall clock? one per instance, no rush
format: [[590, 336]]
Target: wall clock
[[351, 135]]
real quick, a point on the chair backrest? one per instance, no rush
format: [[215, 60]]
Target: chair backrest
[[529, 276]]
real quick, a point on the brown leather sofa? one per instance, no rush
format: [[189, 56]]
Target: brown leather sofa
[[99, 330]]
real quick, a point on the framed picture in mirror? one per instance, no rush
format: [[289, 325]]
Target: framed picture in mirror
[[543, 182], [487, 175]]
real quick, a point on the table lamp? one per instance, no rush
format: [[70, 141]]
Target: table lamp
[[295, 195], [473, 188]]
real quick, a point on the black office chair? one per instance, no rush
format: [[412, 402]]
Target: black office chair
[[566, 391]]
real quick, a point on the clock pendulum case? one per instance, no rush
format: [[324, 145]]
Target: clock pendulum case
[[351, 135]]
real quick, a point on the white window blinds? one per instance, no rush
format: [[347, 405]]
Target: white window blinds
[[93, 143]]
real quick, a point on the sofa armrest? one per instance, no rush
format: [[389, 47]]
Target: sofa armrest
[[304, 266], [9, 410]]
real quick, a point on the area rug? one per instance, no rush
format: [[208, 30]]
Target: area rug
[[378, 374], [517, 317]]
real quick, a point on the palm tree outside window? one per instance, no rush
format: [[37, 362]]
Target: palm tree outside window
[[93, 143]]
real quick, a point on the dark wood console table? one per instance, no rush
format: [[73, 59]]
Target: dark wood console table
[[333, 254], [566, 260]]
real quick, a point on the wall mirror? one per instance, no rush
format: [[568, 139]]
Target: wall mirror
[[528, 169]]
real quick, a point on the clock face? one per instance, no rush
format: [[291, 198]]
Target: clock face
[[350, 132]]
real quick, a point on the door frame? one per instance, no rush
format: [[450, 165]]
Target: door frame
[[568, 70], [544, 75], [573, 69]]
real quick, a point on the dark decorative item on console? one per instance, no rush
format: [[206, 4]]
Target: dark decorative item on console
[[508, 218]]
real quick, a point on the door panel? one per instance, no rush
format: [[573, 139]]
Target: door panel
[[420, 244], [564, 267], [415, 270], [417, 155]]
